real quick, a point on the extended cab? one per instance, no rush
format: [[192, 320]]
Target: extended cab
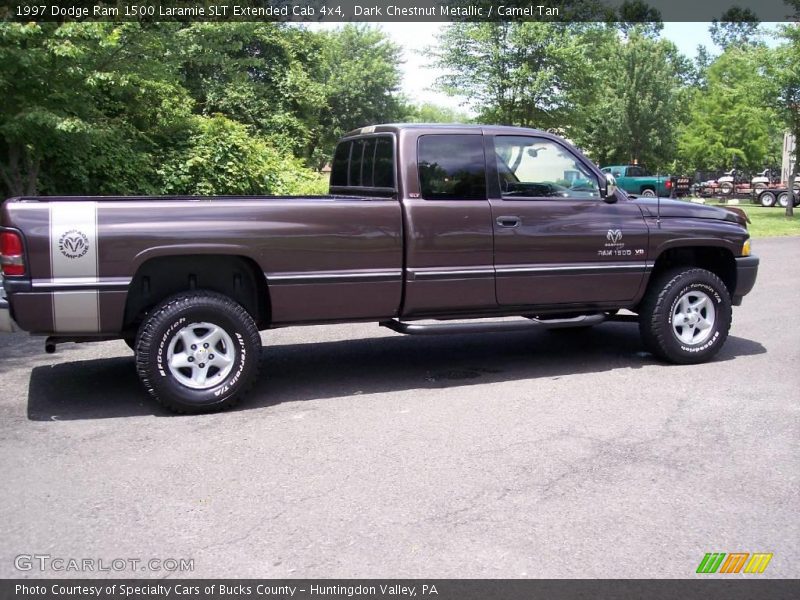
[[636, 179], [424, 222]]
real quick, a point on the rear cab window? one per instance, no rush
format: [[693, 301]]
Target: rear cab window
[[364, 166]]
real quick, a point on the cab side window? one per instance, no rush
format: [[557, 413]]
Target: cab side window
[[538, 168], [452, 167]]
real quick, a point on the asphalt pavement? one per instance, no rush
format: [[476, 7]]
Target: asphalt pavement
[[364, 453]]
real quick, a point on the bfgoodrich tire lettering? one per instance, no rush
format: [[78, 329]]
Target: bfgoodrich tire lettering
[[198, 314], [678, 305]]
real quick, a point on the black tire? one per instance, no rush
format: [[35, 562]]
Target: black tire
[[726, 188], [161, 333], [648, 193], [659, 307], [767, 199]]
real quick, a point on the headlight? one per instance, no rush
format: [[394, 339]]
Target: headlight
[[746, 248]]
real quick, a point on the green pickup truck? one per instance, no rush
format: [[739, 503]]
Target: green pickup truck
[[636, 179]]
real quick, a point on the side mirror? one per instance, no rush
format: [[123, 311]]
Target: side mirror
[[609, 192]]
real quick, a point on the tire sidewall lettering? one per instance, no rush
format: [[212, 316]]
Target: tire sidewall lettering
[[715, 296], [162, 344]]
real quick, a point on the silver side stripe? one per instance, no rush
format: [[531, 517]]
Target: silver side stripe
[[73, 256]]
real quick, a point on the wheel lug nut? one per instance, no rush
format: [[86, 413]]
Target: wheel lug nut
[[194, 346], [210, 357], [202, 365], [205, 345], [191, 359]]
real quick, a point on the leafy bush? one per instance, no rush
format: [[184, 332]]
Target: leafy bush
[[222, 157]]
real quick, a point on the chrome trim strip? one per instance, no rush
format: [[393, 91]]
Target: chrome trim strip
[[533, 270], [81, 283], [393, 275], [428, 273]]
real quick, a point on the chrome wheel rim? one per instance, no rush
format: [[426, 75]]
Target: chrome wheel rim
[[201, 355], [783, 199], [693, 318]]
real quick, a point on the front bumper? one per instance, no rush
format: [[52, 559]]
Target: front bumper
[[746, 271]]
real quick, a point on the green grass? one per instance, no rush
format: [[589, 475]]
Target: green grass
[[769, 222]]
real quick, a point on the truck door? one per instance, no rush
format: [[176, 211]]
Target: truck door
[[448, 224], [556, 241]]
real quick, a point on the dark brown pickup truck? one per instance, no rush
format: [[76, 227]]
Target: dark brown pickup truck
[[424, 222]]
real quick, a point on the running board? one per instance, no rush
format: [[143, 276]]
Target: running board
[[492, 326]]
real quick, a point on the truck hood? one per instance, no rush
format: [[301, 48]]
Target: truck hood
[[678, 208]]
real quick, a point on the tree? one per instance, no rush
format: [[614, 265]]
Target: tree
[[641, 16], [732, 121], [737, 27], [702, 61], [258, 74], [517, 73], [358, 70], [110, 108], [787, 75], [428, 112], [637, 111], [84, 106]]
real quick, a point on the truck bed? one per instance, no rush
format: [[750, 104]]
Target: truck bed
[[301, 243]]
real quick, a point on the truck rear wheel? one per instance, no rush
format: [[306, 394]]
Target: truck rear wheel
[[685, 316], [648, 193], [198, 352]]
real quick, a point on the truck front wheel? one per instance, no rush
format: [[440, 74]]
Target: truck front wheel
[[198, 352], [685, 316]]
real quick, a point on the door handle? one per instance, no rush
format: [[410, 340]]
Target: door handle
[[509, 221]]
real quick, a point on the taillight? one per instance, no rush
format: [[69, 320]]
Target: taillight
[[12, 258], [669, 184]]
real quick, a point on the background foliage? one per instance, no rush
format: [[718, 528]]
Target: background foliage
[[255, 108]]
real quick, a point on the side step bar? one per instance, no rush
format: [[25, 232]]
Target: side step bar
[[492, 326]]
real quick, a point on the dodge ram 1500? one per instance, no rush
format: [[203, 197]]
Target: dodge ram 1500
[[423, 223]]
